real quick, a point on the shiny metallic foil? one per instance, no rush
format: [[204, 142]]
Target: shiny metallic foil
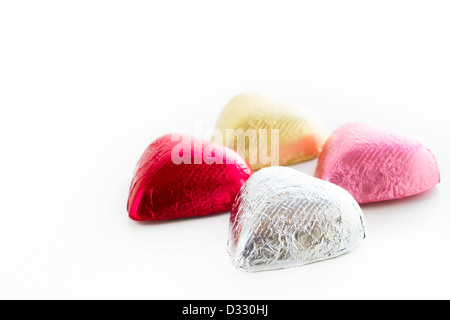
[[301, 136], [283, 218], [163, 190], [377, 164]]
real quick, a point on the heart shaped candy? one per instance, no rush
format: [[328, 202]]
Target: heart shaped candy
[[301, 132], [180, 176], [283, 218], [376, 164]]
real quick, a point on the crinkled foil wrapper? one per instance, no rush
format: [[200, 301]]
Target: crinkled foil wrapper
[[302, 133], [163, 190], [377, 164], [283, 218]]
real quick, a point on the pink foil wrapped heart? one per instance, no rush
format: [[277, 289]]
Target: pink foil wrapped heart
[[205, 183], [376, 164]]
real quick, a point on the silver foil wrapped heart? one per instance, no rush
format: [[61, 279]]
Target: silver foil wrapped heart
[[283, 218]]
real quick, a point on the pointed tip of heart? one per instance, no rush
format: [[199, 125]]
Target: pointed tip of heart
[[376, 164], [301, 132], [283, 218], [179, 176]]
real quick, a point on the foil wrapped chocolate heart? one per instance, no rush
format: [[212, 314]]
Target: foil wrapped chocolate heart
[[283, 218], [377, 164], [278, 132], [180, 176]]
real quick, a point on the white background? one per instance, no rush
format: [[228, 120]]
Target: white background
[[85, 86]]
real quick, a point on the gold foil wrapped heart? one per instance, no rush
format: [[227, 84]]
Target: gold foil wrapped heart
[[254, 118]]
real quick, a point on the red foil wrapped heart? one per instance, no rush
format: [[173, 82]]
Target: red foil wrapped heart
[[377, 164], [205, 182]]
